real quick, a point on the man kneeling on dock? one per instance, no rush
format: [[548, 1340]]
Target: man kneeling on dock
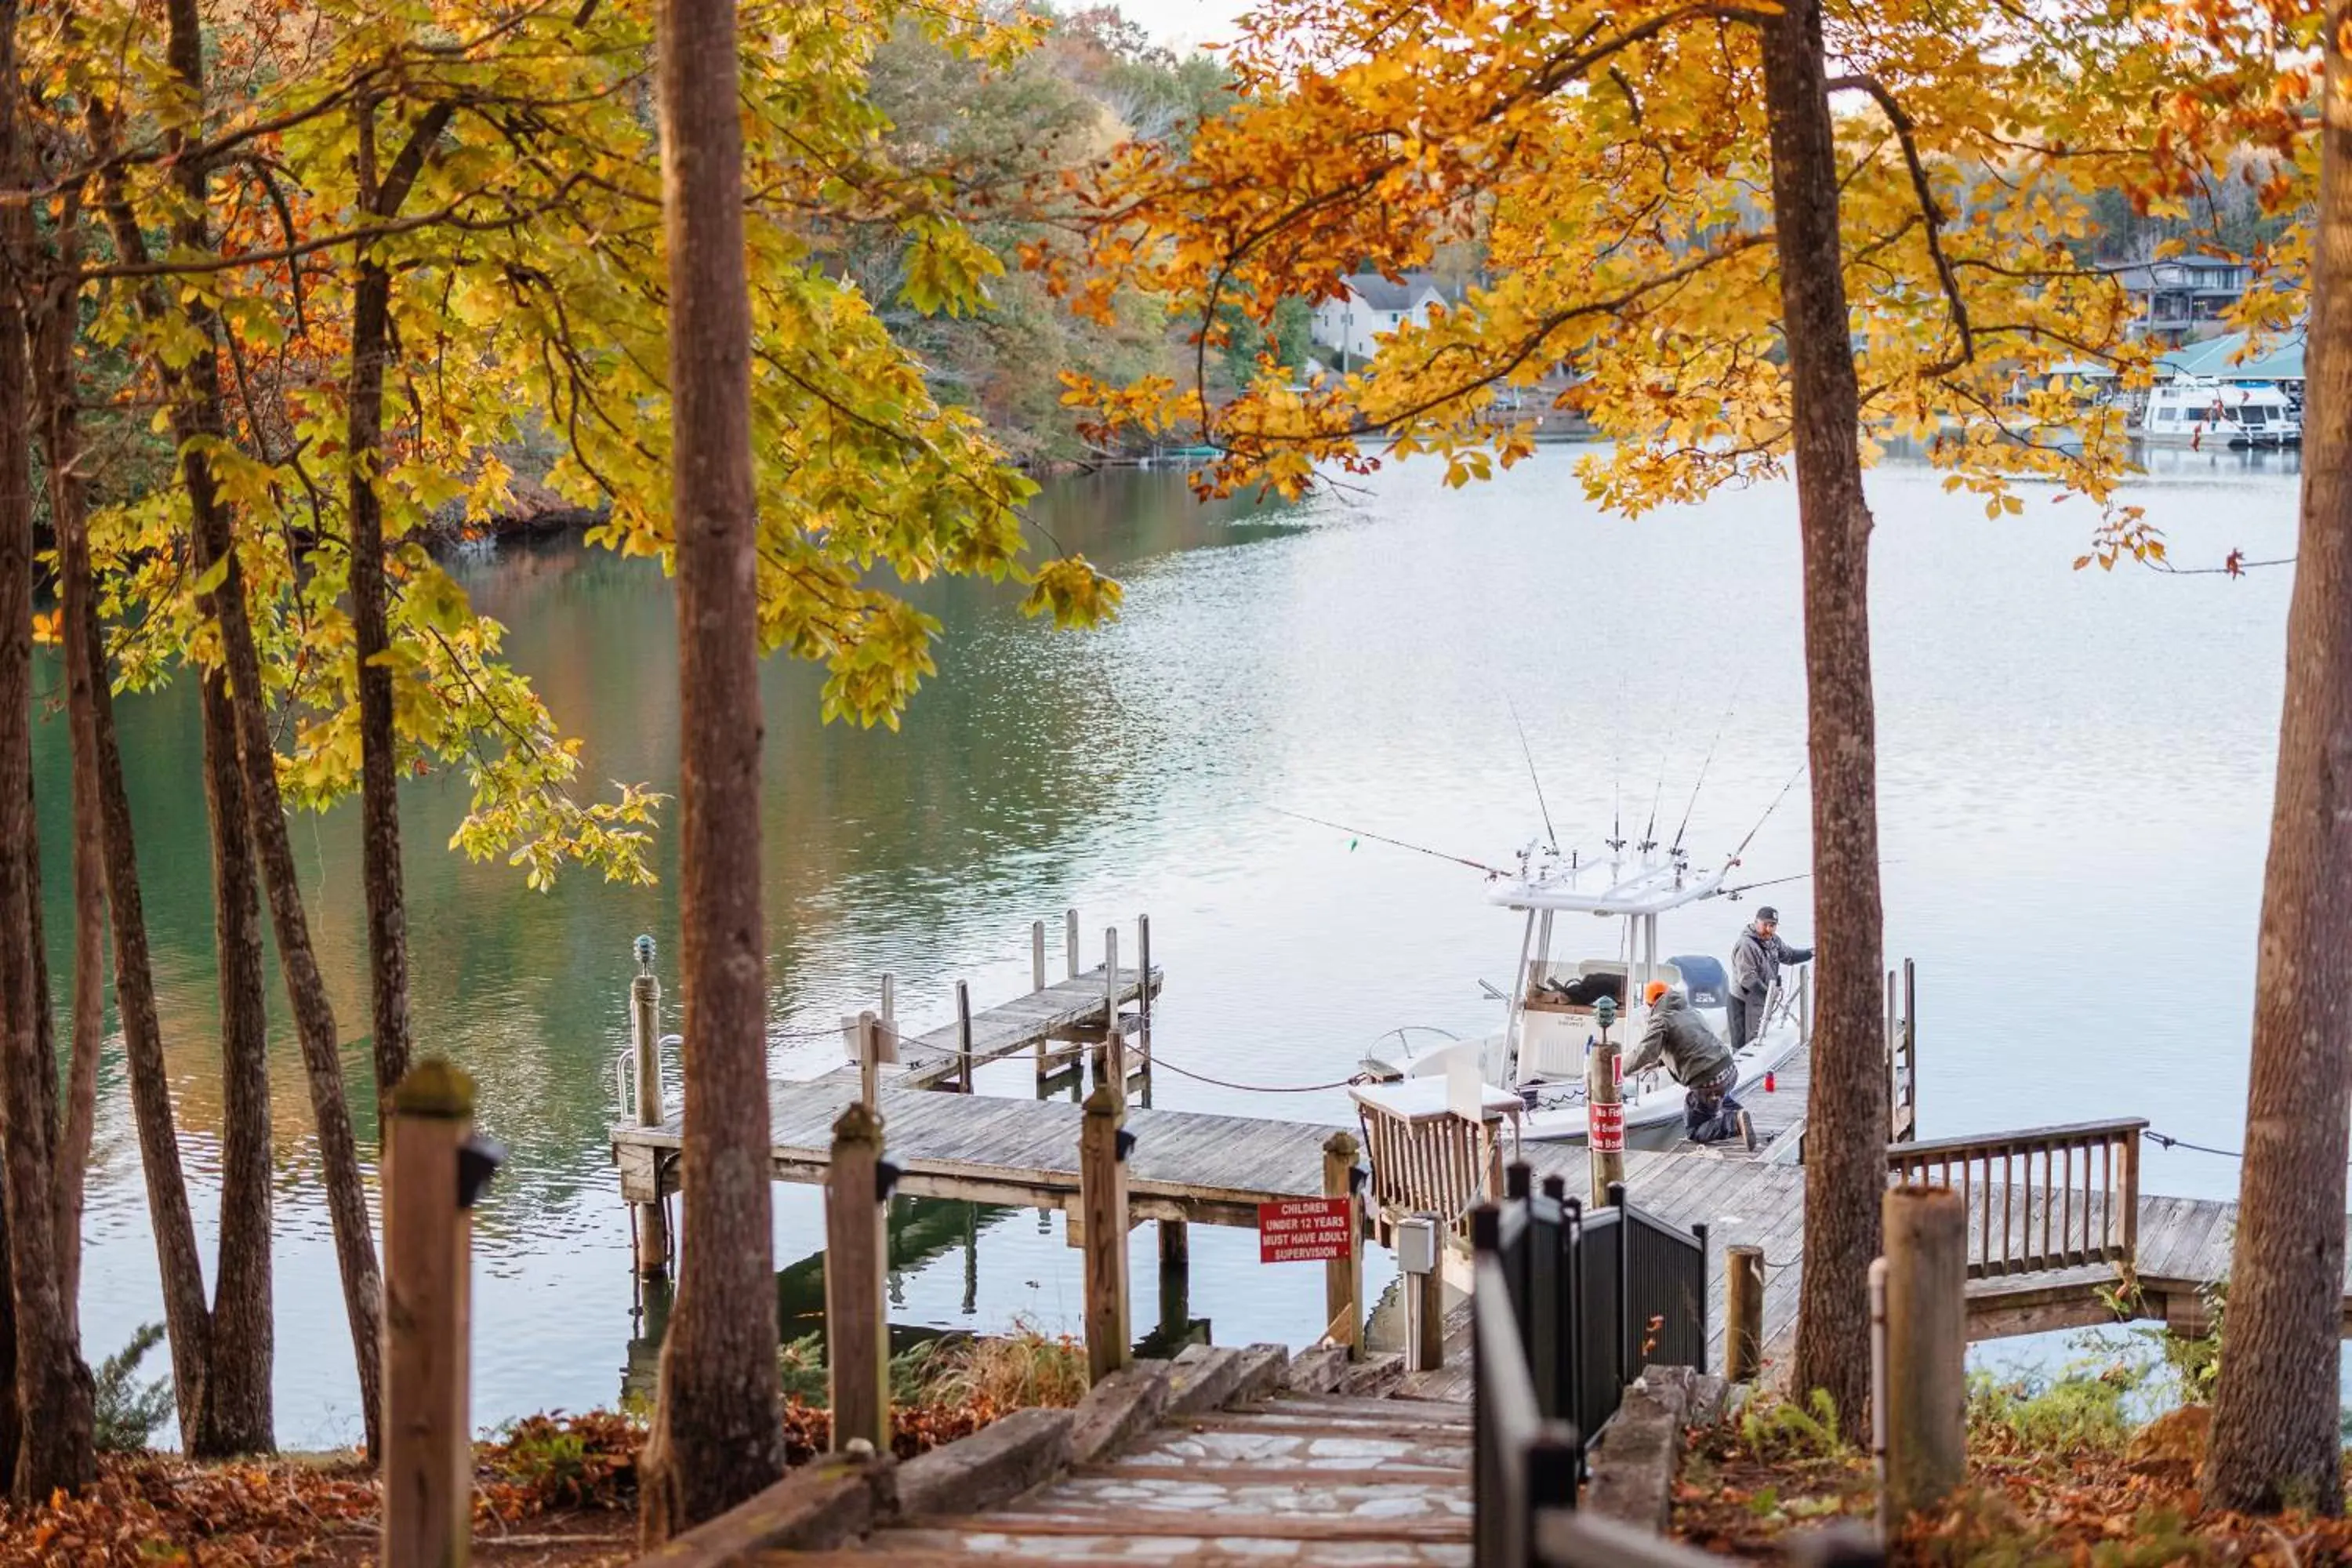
[[1695, 1059]]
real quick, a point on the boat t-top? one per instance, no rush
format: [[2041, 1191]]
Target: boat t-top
[[1553, 1020]]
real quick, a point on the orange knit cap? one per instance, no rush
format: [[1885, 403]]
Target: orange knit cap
[[1658, 988]]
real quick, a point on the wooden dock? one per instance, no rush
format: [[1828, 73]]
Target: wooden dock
[[1216, 1170], [1185, 1166], [1046, 1022], [2061, 1235]]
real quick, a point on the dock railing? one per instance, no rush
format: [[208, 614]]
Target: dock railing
[[2043, 1198]]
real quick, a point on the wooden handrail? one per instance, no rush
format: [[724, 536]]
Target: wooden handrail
[[2023, 1219], [2066, 1132]]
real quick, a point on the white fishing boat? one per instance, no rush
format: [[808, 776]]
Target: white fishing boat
[[1552, 1017], [2197, 411]]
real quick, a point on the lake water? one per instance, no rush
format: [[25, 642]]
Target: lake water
[[2074, 779]]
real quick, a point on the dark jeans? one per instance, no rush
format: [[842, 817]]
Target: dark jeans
[[1742, 1020], [1709, 1113]]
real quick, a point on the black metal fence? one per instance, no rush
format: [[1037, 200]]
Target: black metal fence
[[1596, 1295], [1567, 1307]]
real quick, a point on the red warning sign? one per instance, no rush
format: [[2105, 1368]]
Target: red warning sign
[[1301, 1230], [1607, 1123]]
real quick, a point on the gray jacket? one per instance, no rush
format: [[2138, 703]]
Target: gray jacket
[[1756, 964], [1677, 1034]]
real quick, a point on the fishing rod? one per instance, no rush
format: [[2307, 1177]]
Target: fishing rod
[[1398, 843], [1729, 709], [1617, 772], [1776, 881], [1533, 778], [1650, 834], [1768, 882], [1768, 810]]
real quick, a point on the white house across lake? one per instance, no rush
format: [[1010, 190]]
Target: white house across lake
[[1373, 307]]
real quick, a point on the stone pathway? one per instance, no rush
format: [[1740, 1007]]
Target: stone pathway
[[1293, 1478]]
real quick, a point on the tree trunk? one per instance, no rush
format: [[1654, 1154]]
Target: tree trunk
[[2276, 1441], [314, 1019], [387, 915], [53, 395], [717, 1436], [228, 1384], [53, 1387], [388, 911], [199, 414], [97, 759], [1845, 1144]]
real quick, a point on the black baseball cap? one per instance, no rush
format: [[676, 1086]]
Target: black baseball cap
[[1768, 915]]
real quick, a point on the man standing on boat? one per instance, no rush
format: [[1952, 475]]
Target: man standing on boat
[[1695, 1059], [1756, 960]]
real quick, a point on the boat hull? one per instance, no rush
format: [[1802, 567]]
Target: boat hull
[[1653, 1101]]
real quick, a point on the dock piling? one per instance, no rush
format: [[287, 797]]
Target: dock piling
[[1175, 1278], [963, 1037], [1743, 1319], [1603, 1100], [1102, 1195], [645, 1033], [1070, 941], [1343, 1278], [869, 1063], [1114, 1043], [1036, 955], [858, 1340], [1143, 990]]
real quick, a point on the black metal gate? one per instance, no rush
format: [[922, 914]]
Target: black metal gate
[[1596, 1295]]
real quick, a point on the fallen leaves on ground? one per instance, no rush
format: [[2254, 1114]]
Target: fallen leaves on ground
[[2120, 1507], [558, 1490]]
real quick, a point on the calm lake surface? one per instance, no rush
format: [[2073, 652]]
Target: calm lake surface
[[2075, 773]]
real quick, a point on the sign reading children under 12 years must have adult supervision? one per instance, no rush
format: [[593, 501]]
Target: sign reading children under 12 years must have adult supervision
[[1304, 1230]]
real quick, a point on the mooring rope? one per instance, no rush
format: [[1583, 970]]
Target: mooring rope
[[1153, 1062]]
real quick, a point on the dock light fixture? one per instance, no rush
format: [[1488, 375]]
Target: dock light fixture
[[479, 1159]]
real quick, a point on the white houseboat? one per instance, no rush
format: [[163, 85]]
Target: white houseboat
[[2196, 411]]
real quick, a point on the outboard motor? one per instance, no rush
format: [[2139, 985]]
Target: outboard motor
[[1704, 981]]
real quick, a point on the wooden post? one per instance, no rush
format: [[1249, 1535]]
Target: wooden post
[[1603, 1102], [1343, 1278], [1924, 1395], [1910, 1051], [869, 1063], [644, 1032], [1743, 1334], [963, 1037], [1070, 941], [856, 1337], [428, 1439], [1175, 1278], [1894, 1099], [1036, 955], [1143, 991], [890, 1001], [1102, 1196], [1423, 1285], [1114, 1043]]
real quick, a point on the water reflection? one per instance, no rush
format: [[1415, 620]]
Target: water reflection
[[2074, 769]]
